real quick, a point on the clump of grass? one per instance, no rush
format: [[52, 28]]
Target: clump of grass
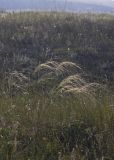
[[76, 83], [63, 79], [17, 83], [75, 86], [50, 74], [59, 69], [45, 68], [67, 68]]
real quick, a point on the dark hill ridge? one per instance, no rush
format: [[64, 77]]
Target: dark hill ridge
[[53, 5]]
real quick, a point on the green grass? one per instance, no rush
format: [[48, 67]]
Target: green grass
[[30, 38], [34, 127], [37, 120]]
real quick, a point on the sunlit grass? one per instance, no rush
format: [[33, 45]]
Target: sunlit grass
[[49, 109], [37, 123]]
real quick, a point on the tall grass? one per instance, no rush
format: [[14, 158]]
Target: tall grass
[[39, 127], [53, 111]]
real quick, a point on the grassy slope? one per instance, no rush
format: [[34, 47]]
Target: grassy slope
[[29, 38], [49, 127]]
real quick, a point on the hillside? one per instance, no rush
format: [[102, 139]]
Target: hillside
[[84, 39], [56, 86]]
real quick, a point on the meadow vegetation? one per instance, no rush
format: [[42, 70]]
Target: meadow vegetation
[[56, 86]]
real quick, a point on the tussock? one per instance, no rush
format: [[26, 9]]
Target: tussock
[[50, 73], [72, 81], [52, 63], [75, 85], [59, 69], [45, 68], [18, 76], [17, 81], [67, 68]]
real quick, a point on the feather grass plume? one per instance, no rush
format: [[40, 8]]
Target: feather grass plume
[[64, 79], [45, 68], [76, 86], [67, 68], [62, 69]]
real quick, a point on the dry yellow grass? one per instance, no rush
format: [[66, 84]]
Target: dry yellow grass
[[67, 68], [45, 69], [76, 86], [59, 69], [71, 82]]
